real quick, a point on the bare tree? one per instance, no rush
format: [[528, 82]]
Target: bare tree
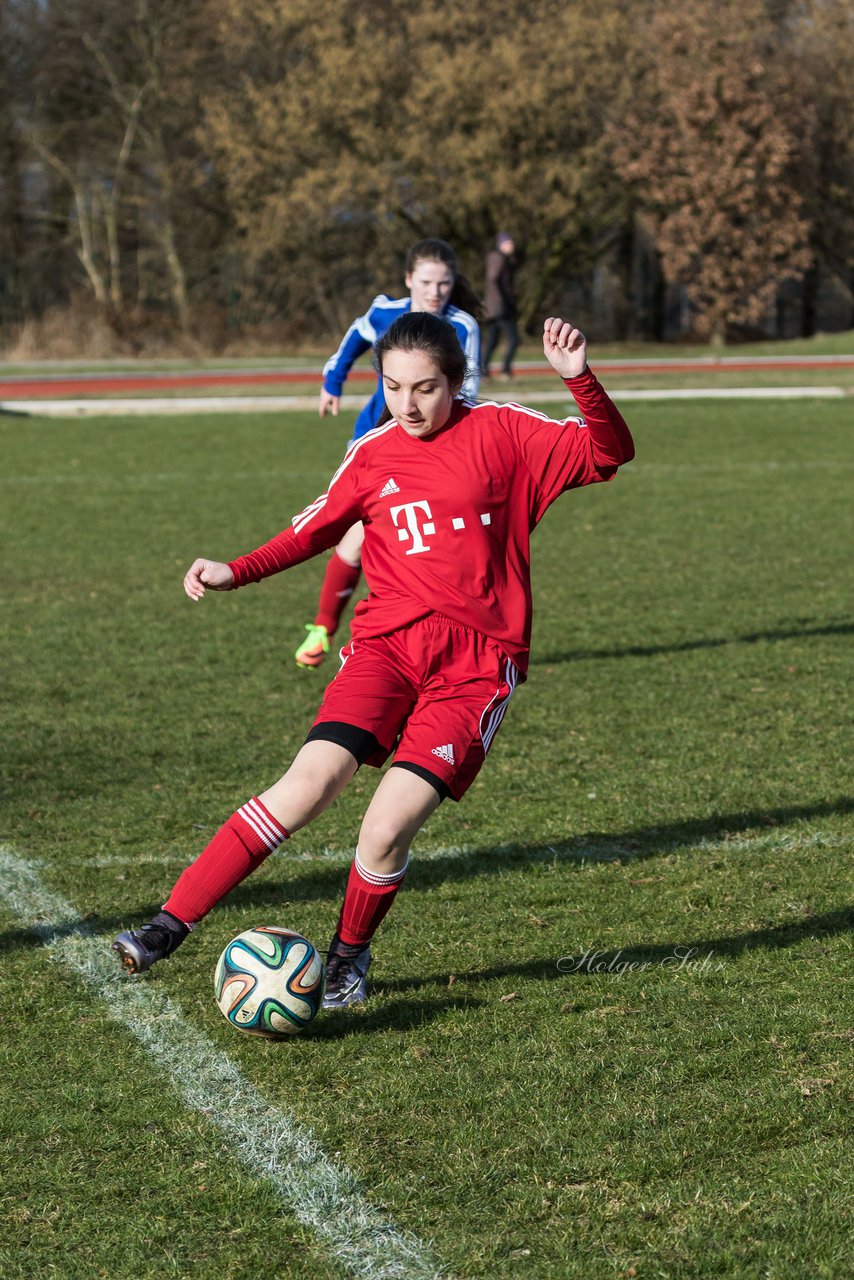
[[112, 112]]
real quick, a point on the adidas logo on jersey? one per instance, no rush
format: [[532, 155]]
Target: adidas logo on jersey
[[445, 753], [389, 488]]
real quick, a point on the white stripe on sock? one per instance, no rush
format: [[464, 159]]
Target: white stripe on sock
[[262, 836], [372, 878], [265, 819], [254, 817]]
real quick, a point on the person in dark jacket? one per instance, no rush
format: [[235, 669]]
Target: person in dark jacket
[[500, 304]]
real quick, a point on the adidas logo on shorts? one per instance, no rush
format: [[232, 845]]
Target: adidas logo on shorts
[[445, 753], [389, 488]]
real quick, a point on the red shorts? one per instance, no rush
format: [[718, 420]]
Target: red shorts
[[434, 692]]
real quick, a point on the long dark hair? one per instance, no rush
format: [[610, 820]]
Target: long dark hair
[[437, 338], [463, 294]]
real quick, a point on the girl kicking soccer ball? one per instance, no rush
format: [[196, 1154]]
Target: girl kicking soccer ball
[[448, 492]]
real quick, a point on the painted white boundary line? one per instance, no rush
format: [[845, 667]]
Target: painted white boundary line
[[729, 393], [127, 408], [788, 842], [137, 407], [318, 1191]]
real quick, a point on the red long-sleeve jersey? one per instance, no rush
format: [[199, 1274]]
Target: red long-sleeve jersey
[[448, 518]]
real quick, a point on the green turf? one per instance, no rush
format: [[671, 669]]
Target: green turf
[[611, 1026]]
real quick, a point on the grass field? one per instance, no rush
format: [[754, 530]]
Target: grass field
[[611, 1023]]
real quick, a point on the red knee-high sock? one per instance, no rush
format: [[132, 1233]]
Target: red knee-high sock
[[339, 583], [238, 847], [366, 902]]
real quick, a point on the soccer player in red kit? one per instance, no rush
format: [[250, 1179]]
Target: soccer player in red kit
[[449, 492]]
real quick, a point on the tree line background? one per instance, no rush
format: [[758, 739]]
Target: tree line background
[[227, 175]]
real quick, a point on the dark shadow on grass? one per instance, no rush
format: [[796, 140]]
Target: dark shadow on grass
[[297, 881], [396, 1015], [41, 935], [406, 1014], [587, 962], [451, 988], [417, 1005], [687, 646]]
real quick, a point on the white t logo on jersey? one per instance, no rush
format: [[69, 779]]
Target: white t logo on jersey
[[412, 529]]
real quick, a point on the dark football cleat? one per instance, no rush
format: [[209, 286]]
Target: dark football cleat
[[140, 948], [346, 975]]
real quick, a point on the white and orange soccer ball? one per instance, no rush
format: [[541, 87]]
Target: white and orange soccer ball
[[270, 982]]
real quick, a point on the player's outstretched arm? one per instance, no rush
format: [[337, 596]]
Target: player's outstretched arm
[[565, 347], [328, 404], [207, 573]]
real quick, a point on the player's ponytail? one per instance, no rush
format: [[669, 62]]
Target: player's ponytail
[[463, 296]]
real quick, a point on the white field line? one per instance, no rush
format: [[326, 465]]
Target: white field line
[[729, 393], [146, 406], [320, 1192], [740, 466], [133, 407], [571, 851]]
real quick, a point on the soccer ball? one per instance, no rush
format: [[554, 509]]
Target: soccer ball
[[270, 982]]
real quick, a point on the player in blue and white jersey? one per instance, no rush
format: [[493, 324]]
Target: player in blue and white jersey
[[435, 285]]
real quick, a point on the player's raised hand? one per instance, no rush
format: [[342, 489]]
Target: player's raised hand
[[207, 573], [565, 347], [328, 404]]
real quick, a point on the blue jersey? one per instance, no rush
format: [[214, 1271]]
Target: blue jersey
[[369, 328]]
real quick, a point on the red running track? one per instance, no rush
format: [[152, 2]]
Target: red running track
[[62, 386]]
